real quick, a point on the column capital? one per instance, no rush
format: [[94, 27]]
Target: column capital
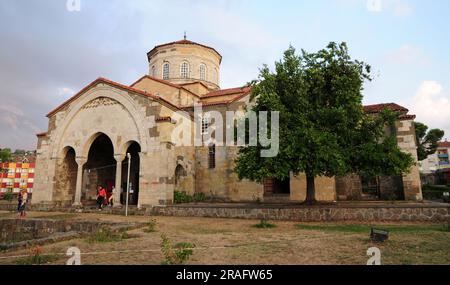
[[119, 157], [81, 160]]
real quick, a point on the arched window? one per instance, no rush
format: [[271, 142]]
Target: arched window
[[166, 71], [205, 125], [202, 72], [212, 157], [216, 76], [184, 72]]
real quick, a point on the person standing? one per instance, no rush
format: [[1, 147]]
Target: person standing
[[111, 198], [24, 195], [19, 203], [101, 197]]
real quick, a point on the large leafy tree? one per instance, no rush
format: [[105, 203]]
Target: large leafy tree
[[323, 128], [427, 141]]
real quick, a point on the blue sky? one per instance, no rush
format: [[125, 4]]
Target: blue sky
[[47, 53]]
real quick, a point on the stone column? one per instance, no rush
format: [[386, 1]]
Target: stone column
[[81, 161], [406, 136], [119, 159]]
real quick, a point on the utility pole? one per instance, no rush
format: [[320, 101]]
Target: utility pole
[[128, 184]]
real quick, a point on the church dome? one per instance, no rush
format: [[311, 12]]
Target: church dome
[[184, 62]]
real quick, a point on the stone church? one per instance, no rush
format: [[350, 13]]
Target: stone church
[[90, 135]]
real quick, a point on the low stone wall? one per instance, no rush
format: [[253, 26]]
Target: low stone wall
[[380, 212], [17, 233], [314, 214]]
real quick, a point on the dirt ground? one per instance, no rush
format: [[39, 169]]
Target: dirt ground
[[235, 242]]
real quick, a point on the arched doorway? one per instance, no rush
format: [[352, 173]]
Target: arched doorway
[[133, 149], [180, 174], [66, 178], [100, 168]]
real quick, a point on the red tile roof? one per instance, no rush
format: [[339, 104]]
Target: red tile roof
[[228, 92], [112, 83], [163, 82], [182, 42], [444, 144], [195, 82], [372, 109], [407, 117], [164, 119]]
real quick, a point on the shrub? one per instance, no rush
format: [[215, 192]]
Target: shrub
[[182, 197], [151, 226], [199, 197], [264, 224], [105, 234], [36, 258], [9, 196], [177, 255]]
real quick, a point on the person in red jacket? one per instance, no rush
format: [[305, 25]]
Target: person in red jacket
[[101, 197]]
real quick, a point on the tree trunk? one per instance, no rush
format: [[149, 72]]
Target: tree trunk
[[310, 190]]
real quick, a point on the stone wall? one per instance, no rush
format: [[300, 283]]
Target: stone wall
[[349, 188], [315, 214], [406, 137], [325, 188]]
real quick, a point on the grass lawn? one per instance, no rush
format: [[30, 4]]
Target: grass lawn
[[226, 241]]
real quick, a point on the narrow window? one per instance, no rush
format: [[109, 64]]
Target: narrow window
[[184, 72], [166, 71], [203, 72], [205, 125]]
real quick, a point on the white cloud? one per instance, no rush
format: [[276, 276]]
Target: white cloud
[[65, 91], [374, 5], [400, 8], [409, 54], [431, 104]]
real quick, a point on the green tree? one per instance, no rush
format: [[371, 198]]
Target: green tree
[[5, 155], [427, 141], [324, 130]]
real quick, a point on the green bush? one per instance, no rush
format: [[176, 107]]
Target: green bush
[[199, 197], [264, 224], [177, 255], [182, 197], [9, 196]]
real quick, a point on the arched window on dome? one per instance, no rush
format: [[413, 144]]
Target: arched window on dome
[[166, 71], [184, 71], [203, 72]]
